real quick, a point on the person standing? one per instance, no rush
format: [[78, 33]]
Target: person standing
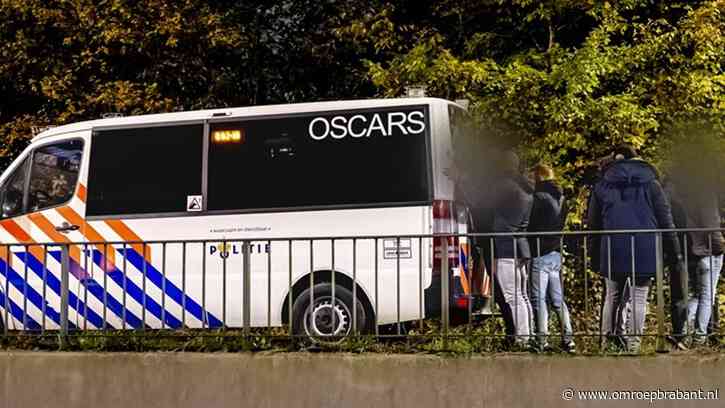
[[548, 214], [512, 202], [706, 251], [629, 197]]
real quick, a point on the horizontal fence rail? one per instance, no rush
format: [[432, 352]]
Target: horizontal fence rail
[[327, 290]]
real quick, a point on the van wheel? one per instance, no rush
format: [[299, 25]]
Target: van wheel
[[320, 322]]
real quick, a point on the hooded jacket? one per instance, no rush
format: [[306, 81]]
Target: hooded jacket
[[512, 197], [629, 197], [547, 214]]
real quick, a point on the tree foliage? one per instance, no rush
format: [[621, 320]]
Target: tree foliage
[[571, 78], [69, 60]]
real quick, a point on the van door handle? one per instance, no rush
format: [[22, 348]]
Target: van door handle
[[66, 228]]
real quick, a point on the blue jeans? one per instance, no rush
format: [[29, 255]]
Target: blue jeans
[[704, 291], [546, 290]]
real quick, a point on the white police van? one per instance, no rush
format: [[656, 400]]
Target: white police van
[[219, 177]]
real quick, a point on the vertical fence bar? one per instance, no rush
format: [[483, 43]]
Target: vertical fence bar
[[563, 292], [632, 293], [25, 288], [516, 291], [586, 278], [183, 284], [354, 286], [609, 276], [163, 285], [123, 311], [105, 285], [421, 294], [660, 295], [85, 288], [686, 295], [6, 323], [715, 312], [45, 286], [224, 253], [290, 292], [203, 286], [445, 280], [377, 297], [397, 285], [269, 283], [469, 278], [64, 282], [332, 278], [492, 273], [312, 280], [144, 249], [609, 257], [246, 272], [539, 301]]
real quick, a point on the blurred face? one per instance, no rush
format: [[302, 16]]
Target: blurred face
[[511, 162]]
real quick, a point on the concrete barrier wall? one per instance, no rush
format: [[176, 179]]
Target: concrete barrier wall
[[38, 379]]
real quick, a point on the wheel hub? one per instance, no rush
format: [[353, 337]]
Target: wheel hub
[[326, 320]]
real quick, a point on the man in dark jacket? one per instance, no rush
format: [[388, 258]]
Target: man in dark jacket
[[512, 199], [705, 253], [548, 214], [629, 197]]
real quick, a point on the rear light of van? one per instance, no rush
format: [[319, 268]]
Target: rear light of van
[[445, 221]]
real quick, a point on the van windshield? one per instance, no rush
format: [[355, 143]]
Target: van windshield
[[344, 158]]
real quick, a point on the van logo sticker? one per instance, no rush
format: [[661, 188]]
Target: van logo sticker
[[193, 203], [357, 126]]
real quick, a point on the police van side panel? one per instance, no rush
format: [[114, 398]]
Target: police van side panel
[[201, 285]]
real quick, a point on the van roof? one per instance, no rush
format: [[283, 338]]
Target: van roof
[[234, 112]]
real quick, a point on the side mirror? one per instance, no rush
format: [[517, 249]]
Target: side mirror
[[12, 203]]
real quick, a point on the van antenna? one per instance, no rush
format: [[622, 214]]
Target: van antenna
[[111, 115]]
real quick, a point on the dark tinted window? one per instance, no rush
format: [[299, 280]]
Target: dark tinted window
[[54, 174], [346, 158], [144, 171], [12, 192]]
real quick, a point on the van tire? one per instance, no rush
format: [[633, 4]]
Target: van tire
[[315, 322]]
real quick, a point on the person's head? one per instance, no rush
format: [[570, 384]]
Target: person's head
[[510, 162], [542, 172], [624, 152]]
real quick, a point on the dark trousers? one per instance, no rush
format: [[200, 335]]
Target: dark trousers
[[679, 297]]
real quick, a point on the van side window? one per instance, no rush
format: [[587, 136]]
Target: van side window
[[13, 190], [54, 174], [150, 170], [345, 158]]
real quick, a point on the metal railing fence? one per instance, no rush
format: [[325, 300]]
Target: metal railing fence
[[330, 288]]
